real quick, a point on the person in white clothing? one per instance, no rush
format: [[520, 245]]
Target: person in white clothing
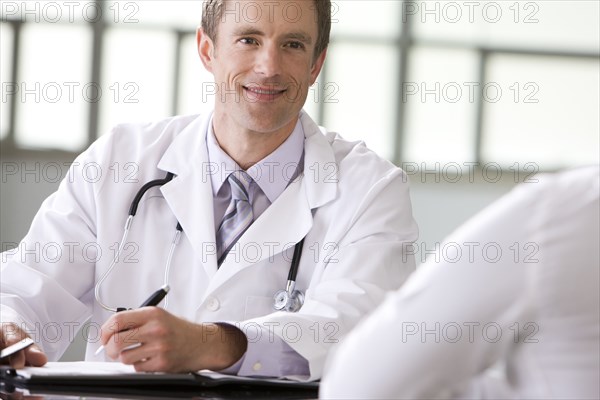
[[510, 309], [247, 184]]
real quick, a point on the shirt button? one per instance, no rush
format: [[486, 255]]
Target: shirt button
[[212, 304], [257, 367]]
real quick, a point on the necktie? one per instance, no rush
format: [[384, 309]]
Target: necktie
[[238, 216]]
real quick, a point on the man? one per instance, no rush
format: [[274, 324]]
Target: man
[[511, 310], [251, 181]]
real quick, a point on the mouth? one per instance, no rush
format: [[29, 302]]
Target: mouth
[[262, 93]]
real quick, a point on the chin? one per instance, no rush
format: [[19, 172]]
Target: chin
[[262, 124]]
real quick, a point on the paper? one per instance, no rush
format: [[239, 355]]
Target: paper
[[85, 368], [81, 368]]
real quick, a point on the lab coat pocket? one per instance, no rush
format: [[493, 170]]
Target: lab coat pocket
[[257, 306]]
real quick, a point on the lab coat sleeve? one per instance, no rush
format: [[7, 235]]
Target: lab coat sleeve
[[283, 360], [436, 337], [370, 259], [46, 281]]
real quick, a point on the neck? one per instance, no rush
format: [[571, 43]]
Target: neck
[[247, 147]]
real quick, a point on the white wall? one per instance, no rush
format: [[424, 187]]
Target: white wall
[[441, 207]]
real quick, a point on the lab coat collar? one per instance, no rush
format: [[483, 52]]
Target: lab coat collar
[[320, 167], [319, 161], [284, 223], [290, 217], [188, 149], [187, 158]]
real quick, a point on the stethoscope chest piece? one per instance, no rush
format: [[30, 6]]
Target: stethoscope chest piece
[[284, 301], [290, 299]]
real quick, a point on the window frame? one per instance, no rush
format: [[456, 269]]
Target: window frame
[[402, 44]]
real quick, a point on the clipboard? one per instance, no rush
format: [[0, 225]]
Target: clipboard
[[161, 385]]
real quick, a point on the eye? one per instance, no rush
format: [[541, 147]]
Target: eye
[[247, 40], [296, 45]]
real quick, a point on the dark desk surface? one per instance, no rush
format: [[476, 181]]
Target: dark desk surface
[[147, 386], [53, 393]]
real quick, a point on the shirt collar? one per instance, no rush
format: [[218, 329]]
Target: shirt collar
[[272, 174]]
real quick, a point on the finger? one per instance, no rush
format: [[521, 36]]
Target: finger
[[128, 320], [17, 360], [12, 396], [154, 362], [113, 327], [147, 365], [11, 334], [115, 324], [121, 341], [135, 355], [34, 356], [160, 351]]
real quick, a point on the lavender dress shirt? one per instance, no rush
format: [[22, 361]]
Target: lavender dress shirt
[[270, 355]]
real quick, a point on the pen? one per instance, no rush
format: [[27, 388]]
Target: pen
[[153, 300], [156, 297]]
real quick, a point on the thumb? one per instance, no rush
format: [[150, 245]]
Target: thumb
[[35, 356]]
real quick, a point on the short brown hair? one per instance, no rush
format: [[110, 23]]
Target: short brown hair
[[212, 12]]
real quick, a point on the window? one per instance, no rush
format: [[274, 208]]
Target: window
[[510, 82], [53, 86], [137, 75], [6, 46]]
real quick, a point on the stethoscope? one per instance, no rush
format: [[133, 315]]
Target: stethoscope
[[290, 299]]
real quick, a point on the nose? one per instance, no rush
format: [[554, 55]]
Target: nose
[[268, 61]]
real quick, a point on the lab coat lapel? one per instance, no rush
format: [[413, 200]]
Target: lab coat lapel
[[189, 194], [290, 217], [284, 223]]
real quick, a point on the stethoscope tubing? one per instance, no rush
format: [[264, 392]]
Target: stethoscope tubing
[[112, 266], [132, 211], [292, 274]]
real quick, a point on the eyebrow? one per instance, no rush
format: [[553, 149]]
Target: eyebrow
[[243, 31], [300, 35]]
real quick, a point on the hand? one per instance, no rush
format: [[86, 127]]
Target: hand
[[10, 334], [169, 343], [18, 395]]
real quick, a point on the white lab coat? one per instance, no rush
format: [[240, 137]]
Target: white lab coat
[[509, 308], [352, 206]]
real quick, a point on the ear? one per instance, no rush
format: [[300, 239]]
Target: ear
[[317, 65], [205, 49]]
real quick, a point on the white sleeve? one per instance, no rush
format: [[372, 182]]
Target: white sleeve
[[268, 355], [370, 261], [453, 319], [46, 281]]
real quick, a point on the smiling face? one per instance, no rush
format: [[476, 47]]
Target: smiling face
[[263, 63]]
